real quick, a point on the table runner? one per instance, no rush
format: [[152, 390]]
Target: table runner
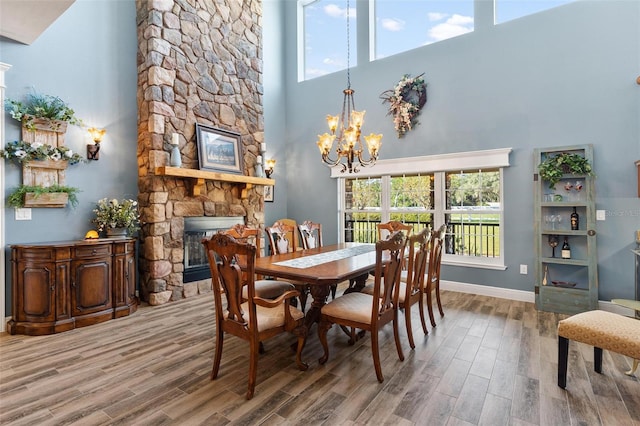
[[318, 259]]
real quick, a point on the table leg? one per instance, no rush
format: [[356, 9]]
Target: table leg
[[319, 293], [357, 284]]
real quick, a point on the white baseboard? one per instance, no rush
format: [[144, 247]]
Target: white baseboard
[[520, 295]]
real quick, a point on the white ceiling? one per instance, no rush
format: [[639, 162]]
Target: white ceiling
[[25, 20]]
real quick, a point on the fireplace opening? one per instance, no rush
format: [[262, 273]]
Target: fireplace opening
[[196, 265]]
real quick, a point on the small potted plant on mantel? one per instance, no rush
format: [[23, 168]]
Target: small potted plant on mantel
[[554, 167]]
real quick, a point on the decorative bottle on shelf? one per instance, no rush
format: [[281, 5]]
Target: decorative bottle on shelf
[[575, 220], [175, 160], [566, 250]]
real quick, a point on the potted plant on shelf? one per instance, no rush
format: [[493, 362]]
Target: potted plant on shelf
[[117, 217], [47, 110], [555, 166], [43, 196]]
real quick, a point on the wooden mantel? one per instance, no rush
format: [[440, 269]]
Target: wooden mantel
[[198, 178]]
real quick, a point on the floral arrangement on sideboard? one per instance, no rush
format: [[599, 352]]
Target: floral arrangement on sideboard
[[114, 213]]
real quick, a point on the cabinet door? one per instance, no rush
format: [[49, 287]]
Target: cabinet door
[[34, 298], [91, 286], [124, 279]]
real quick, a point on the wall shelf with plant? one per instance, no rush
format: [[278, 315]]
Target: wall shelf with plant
[[43, 196], [41, 152]]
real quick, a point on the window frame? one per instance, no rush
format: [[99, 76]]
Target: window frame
[[438, 165]]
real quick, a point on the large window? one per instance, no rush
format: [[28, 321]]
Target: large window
[[322, 37], [466, 197], [400, 25]]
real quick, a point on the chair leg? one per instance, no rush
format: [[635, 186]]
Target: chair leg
[[407, 321], [563, 354], [323, 328], [430, 307], [333, 291], [422, 319], [301, 333], [375, 351], [396, 335], [253, 367], [218, 352], [597, 359], [633, 369], [438, 298]]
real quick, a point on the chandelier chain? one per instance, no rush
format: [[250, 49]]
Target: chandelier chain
[[348, 49]]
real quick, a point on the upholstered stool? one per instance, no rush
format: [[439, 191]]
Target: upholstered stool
[[602, 330]]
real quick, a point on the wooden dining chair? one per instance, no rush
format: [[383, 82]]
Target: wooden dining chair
[[432, 281], [411, 285], [311, 237], [370, 312], [255, 319], [387, 228], [268, 289], [311, 234], [281, 240]]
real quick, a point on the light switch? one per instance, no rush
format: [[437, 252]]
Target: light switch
[[601, 214], [523, 269], [23, 214]]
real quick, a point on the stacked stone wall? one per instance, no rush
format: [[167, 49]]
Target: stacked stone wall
[[199, 61]]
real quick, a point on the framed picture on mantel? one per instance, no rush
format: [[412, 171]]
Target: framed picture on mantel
[[219, 150]]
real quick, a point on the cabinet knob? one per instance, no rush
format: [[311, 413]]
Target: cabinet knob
[[94, 251], [53, 288], [591, 232]]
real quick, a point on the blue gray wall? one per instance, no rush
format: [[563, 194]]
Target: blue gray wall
[[88, 58], [561, 77]]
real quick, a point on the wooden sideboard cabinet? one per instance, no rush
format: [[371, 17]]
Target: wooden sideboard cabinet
[[63, 285]]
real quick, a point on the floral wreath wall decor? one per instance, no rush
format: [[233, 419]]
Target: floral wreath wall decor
[[406, 100]]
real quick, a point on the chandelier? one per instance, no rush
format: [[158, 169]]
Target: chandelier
[[346, 131]]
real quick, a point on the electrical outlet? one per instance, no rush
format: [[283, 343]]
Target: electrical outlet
[[23, 214], [601, 214], [523, 269]]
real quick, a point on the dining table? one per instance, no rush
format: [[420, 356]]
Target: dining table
[[321, 268]]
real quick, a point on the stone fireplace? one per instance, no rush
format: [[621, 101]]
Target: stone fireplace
[[198, 62]]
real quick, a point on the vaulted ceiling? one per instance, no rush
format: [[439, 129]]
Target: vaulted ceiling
[[25, 20]]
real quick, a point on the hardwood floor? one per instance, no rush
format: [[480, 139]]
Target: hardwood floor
[[488, 362]]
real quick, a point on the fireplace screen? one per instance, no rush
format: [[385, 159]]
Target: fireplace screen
[[196, 266]]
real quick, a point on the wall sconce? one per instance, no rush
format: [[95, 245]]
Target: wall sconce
[[268, 167], [93, 151]]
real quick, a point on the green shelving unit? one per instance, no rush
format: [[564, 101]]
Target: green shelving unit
[[566, 286]]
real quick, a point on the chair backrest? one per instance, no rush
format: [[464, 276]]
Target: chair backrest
[[245, 234], [294, 233], [387, 228], [222, 251], [389, 254], [281, 238], [311, 234], [419, 248]]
